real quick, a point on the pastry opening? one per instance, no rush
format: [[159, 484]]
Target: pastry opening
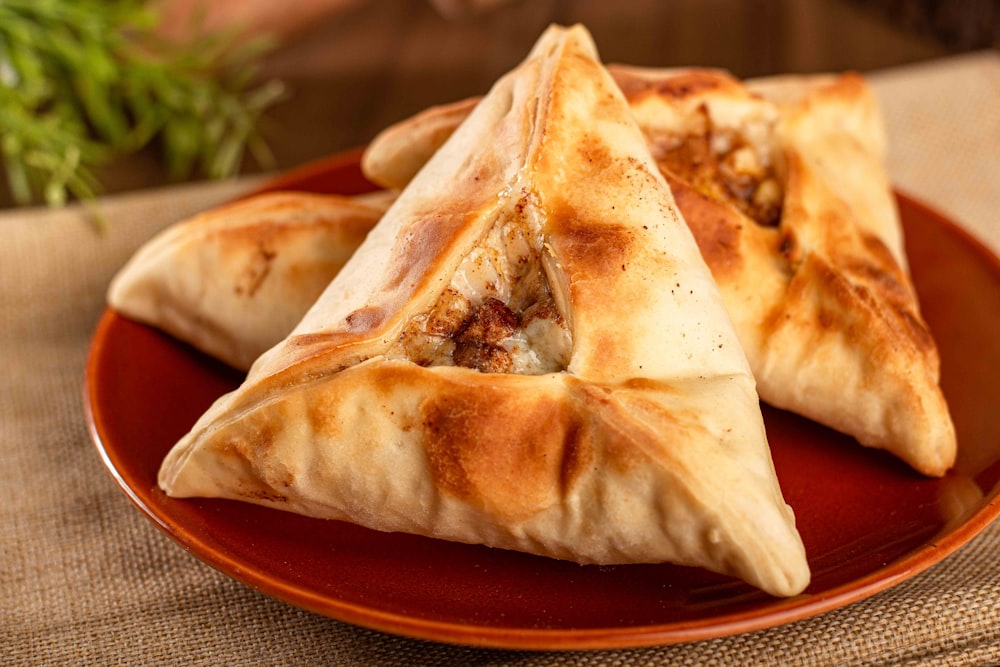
[[498, 313], [728, 164]]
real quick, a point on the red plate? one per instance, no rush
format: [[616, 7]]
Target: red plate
[[868, 521]]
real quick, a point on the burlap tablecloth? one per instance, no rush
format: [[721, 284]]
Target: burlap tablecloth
[[85, 579]]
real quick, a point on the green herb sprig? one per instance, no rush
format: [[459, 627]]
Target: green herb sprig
[[83, 82]]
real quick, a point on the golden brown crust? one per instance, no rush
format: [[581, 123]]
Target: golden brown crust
[[835, 333], [781, 181], [676, 84], [235, 280], [510, 467], [645, 443], [398, 154]]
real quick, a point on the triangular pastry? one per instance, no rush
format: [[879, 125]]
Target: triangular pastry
[[783, 185], [501, 364], [233, 281], [782, 182]]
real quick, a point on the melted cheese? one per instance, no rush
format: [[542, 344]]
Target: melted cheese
[[497, 314]]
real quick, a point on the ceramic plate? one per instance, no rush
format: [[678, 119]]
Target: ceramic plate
[[868, 521]]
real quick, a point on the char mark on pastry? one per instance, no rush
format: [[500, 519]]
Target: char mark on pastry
[[677, 87]]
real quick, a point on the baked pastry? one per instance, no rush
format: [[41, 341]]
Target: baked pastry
[[502, 362], [399, 151], [782, 182], [233, 281]]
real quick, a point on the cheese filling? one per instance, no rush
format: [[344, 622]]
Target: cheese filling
[[726, 164], [497, 315]]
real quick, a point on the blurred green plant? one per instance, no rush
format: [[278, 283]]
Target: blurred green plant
[[83, 82]]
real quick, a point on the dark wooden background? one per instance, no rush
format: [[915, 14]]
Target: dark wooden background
[[378, 61]]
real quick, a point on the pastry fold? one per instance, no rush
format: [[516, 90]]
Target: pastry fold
[[233, 281], [527, 352], [782, 183]]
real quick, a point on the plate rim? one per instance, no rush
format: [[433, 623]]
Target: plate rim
[[781, 612]]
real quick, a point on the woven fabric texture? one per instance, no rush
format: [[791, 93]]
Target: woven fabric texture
[[86, 580]]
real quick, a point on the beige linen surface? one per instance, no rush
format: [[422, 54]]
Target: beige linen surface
[[85, 579]]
